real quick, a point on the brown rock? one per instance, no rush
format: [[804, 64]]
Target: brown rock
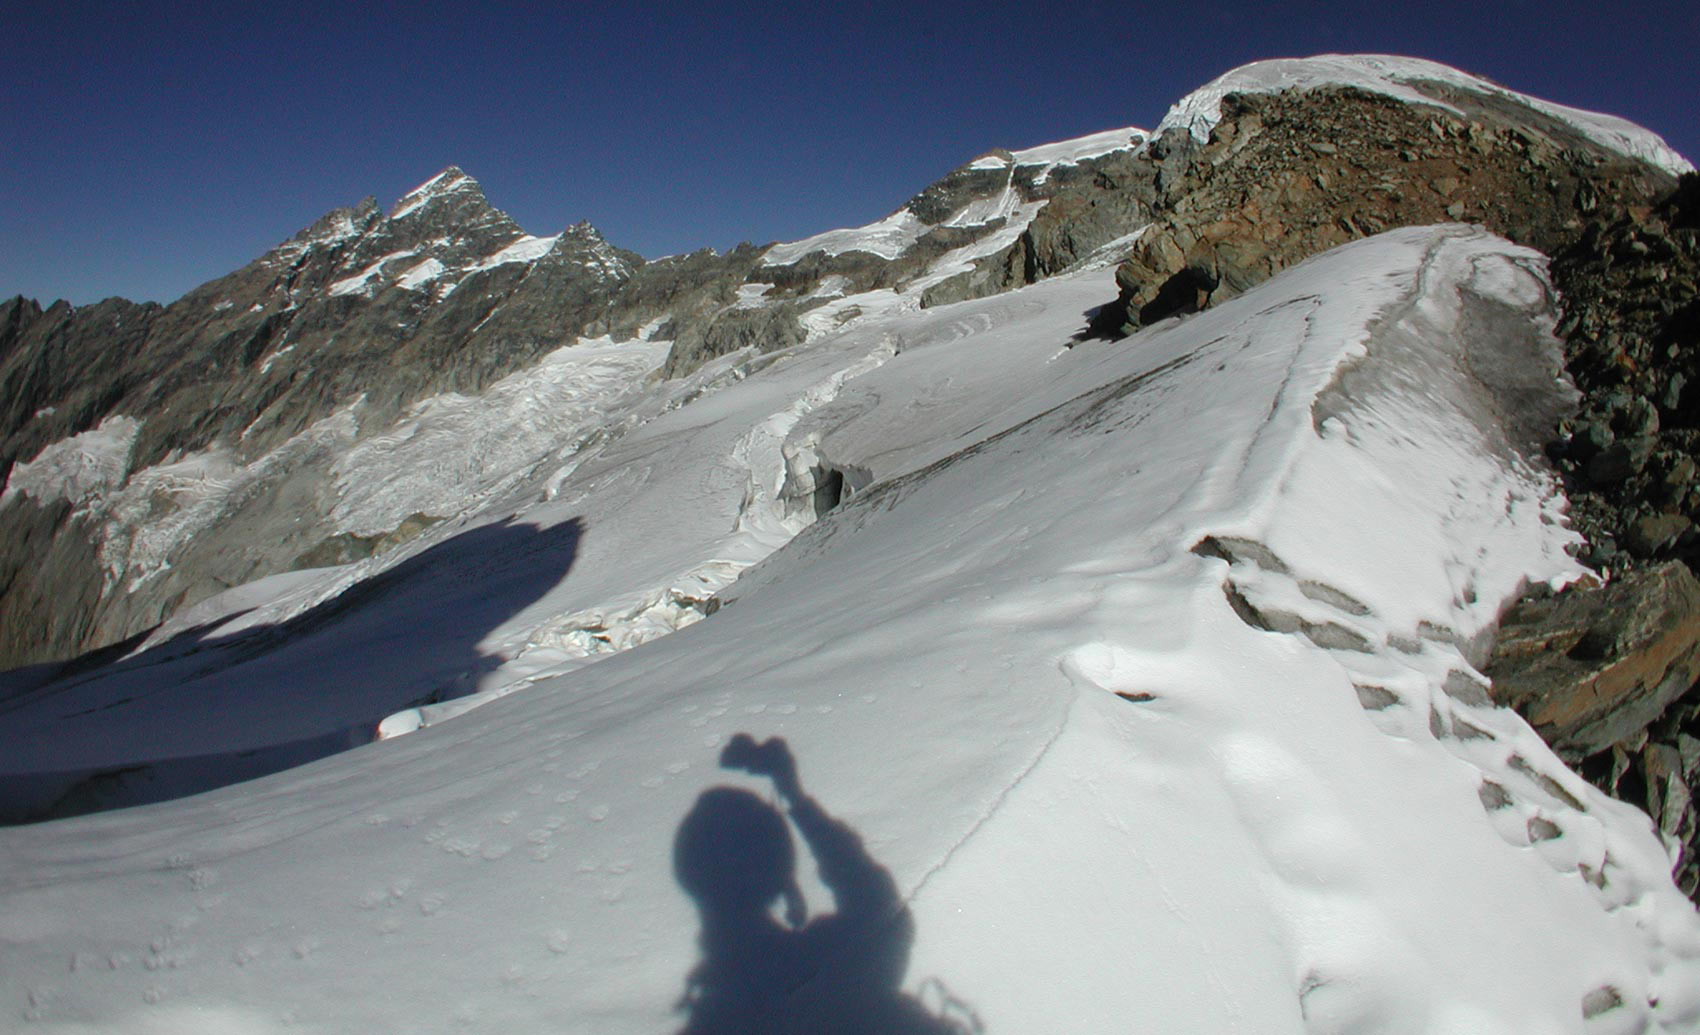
[[1593, 666], [1322, 166], [1650, 533]]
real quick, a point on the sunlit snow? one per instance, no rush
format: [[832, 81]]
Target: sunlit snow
[[888, 238], [444, 183], [1009, 663], [526, 249], [89, 464]]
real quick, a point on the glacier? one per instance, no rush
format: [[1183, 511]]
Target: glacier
[[1144, 671]]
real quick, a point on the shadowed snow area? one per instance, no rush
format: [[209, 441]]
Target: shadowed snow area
[[1140, 671], [207, 708]]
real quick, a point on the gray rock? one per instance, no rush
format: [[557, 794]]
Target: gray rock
[[1614, 465], [763, 329]]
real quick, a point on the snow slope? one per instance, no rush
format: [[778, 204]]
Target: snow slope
[[1141, 668], [1403, 78]]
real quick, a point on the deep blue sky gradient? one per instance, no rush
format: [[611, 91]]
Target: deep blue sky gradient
[[148, 147]]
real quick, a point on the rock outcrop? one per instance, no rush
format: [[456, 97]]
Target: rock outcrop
[[1012, 217], [1629, 457], [1285, 176], [1606, 673], [1593, 666]]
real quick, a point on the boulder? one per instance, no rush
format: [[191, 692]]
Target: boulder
[[1595, 664]]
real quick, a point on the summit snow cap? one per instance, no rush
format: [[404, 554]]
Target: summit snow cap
[[1405, 78]]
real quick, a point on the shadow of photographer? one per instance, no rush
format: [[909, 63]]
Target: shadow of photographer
[[839, 972]]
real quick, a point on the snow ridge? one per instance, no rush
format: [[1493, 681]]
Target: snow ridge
[[450, 181], [890, 237]]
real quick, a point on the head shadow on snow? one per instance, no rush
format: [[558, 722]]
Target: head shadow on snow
[[203, 710], [834, 972]]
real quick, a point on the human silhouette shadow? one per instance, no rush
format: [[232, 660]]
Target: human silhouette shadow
[[209, 707], [835, 974]]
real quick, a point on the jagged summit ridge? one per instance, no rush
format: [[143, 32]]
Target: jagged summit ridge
[[436, 236], [451, 181]]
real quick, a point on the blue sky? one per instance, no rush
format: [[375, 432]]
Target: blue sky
[[148, 147]]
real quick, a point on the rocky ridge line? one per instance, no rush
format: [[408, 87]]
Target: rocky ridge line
[[1607, 670]]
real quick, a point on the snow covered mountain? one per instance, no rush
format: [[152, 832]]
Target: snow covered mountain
[[206, 436], [1108, 683]]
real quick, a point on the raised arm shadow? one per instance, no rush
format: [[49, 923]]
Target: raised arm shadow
[[834, 972]]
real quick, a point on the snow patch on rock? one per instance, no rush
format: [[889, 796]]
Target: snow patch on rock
[[526, 249], [79, 468], [888, 238], [1073, 152], [364, 282]]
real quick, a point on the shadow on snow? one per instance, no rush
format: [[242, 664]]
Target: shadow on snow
[[840, 972], [203, 710]]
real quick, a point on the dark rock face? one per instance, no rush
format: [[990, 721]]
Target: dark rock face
[[1628, 459], [764, 329], [1632, 323], [48, 567], [63, 369], [948, 196]]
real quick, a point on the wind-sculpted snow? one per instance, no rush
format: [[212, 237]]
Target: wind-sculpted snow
[[1138, 673]]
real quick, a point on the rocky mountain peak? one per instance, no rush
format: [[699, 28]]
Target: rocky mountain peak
[[584, 231], [451, 183], [334, 227]]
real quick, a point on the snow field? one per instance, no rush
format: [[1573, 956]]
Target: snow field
[[93, 463], [1013, 662]]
